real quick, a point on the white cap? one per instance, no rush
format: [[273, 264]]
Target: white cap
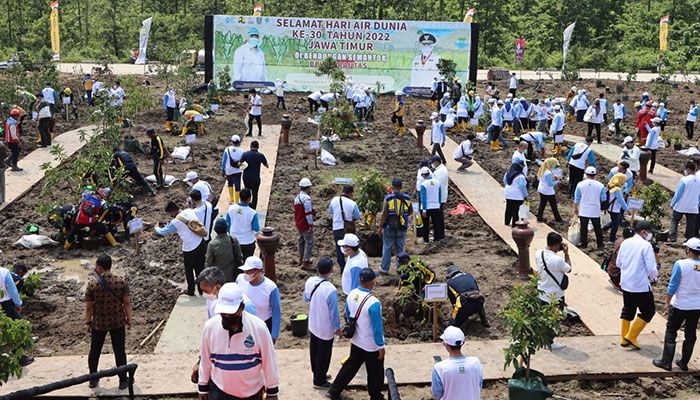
[[425, 171], [557, 107], [500, 102], [252, 262], [190, 176], [453, 336], [434, 115], [447, 94], [645, 94], [662, 104], [693, 244], [654, 104], [236, 139], [492, 100], [656, 120], [349, 240], [573, 88], [399, 93], [304, 183], [229, 299], [590, 170], [510, 95], [627, 139]]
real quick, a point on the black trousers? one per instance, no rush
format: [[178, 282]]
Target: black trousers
[[437, 149], [255, 118], [375, 372], [338, 234], [552, 200], [247, 250], [254, 186], [136, 176], [512, 91], [45, 132], [676, 318], [512, 207], [235, 181], [689, 125], [97, 340], [617, 126], [467, 310], [280, 101], [652, 163], [194, 264], [615, 221], [596, 228], [524, 123], [631, 302], [158, 172], [313, 106], [170, 114], [10, 310], [395, 119], [575, 176], [320, 352], [98, 227], [324, 104], [217, 394], [592, 126], [14, 153], [437, 217]]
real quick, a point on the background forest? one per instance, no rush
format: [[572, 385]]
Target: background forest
[[617, 35]]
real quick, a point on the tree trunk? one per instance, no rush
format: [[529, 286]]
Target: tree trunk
[[115, 43], [80, 20], [87, 22], [9, 26]]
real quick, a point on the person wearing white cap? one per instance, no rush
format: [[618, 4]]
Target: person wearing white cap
[[588, 197], [556, 129], [243, 223], [254, 112], [249, 60], [304, 219], [662, 113], [263, 293], [685, 202], [594, 119], [652, 143], [690, 119], [231, 167], [619, 113], [683, 305], [204, 211], [237, 354], [192, 178], [577, 158], [445, 106], [459, 377], [645, 97], [438, 136], [631, 153], [513, 84], [494, 129], [355, 261], [315, 100], [431, 207], [580, 105]]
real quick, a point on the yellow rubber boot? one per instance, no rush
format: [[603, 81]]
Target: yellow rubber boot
[[168, 126], [111, 240], [625, 328], [236, 196], [402, 130], [184, 131], [497, 144], [200, 129], [231, 195], [66, 245], [637, 327]]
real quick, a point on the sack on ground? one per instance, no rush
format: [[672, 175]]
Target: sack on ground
[[169, 179], [523, 211], [35, 241], [327, 158], [181, 153], [574, 234], [611, 127]]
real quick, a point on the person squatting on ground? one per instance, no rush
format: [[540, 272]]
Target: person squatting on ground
[[91, 213], [465, 297], [464, 153], [304, 214], [393, 223]]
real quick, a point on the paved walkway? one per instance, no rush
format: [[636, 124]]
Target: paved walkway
[[664, 176], [19, 183], [589, 292], [585, 357], [183, 331]]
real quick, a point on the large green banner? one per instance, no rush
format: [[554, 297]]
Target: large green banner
[[400, 55]]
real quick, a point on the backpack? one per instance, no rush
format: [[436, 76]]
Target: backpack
[[194, 225]]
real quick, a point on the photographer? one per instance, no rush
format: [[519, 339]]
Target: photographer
[[552, 270]]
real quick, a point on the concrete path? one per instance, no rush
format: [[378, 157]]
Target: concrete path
[[589, 292], [19, 183], [585, 357], [664, 176]]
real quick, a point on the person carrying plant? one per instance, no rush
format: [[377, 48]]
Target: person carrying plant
[[683, 305], [638, 271], [685, 202], [393, 224], [459, 377], [158, 154], [397, 114], [11, 304], [304, 219], [551, 271], [465, 297]]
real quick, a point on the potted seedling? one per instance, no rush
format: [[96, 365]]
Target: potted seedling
[[370, 191], [654, 211], [676, 140], [15, 342], [534, 325]]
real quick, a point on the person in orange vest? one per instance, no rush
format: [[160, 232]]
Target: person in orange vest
[[91, 213], [13, 138]]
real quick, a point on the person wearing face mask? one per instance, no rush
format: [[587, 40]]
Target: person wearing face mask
[[249, 60], [685, 202], [212, 279], [549, 175], [237, 353], [638, 271], [589, 197], [107, 310], [355, 261], [324, 320], [224, 252], [442, 175], [425, 63], [617, 205], [263, 292], [630, 154], [367, 341]]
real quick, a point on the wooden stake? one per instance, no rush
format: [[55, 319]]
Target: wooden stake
[[435, 321], [153, 332], [137, 238]]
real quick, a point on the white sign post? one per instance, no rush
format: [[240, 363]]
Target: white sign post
[[435, 294], [634, 205], [135, 228]]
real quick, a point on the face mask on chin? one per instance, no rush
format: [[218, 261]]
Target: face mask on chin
[[648, 236], [210, 296]]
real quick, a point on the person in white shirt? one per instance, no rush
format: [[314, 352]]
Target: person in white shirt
[[194, 248], [355, 261], [279, 93], [204, 211], [430, 207], [619, 114], [535, 145], [638, 271], [464, 152], [192, 178], [263, 293], [594, 119], [450, 119], [603, 107], [683, 305], [520, 155], [445, 106], [556, 129], [515, 190], [685, 202], [324, 320], [344, 212], [580, 103], [549, 175], [631, 153], [513, 84], [254, 112], [328, 98], [459, 377], [243, 223], [690, 119], [442, 175], [314, 101], [623, 167], [249, 60], [231, 167], [652, 143], [551, 271], [367, 343], [237, 353], [117, 94], [588, 197], [577, 158], [438, 136]]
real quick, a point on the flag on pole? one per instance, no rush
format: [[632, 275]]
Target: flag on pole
[[55, 37], [258, 10], [663, 33], [519, 50], [567, 40], [143, 40], [469, 16]]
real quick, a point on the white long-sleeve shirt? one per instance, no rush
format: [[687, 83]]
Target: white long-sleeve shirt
[[637, 265], [442, 175]]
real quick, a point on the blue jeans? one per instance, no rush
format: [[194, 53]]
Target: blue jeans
[[391, 237]]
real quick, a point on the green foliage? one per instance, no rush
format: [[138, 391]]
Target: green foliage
[[414, 276], [533, 324], [447, 69], [32, 283], [339, 121], [655, 198], [370, 191], [15, 341], [225, 78], [329, 67], [139, 97]]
